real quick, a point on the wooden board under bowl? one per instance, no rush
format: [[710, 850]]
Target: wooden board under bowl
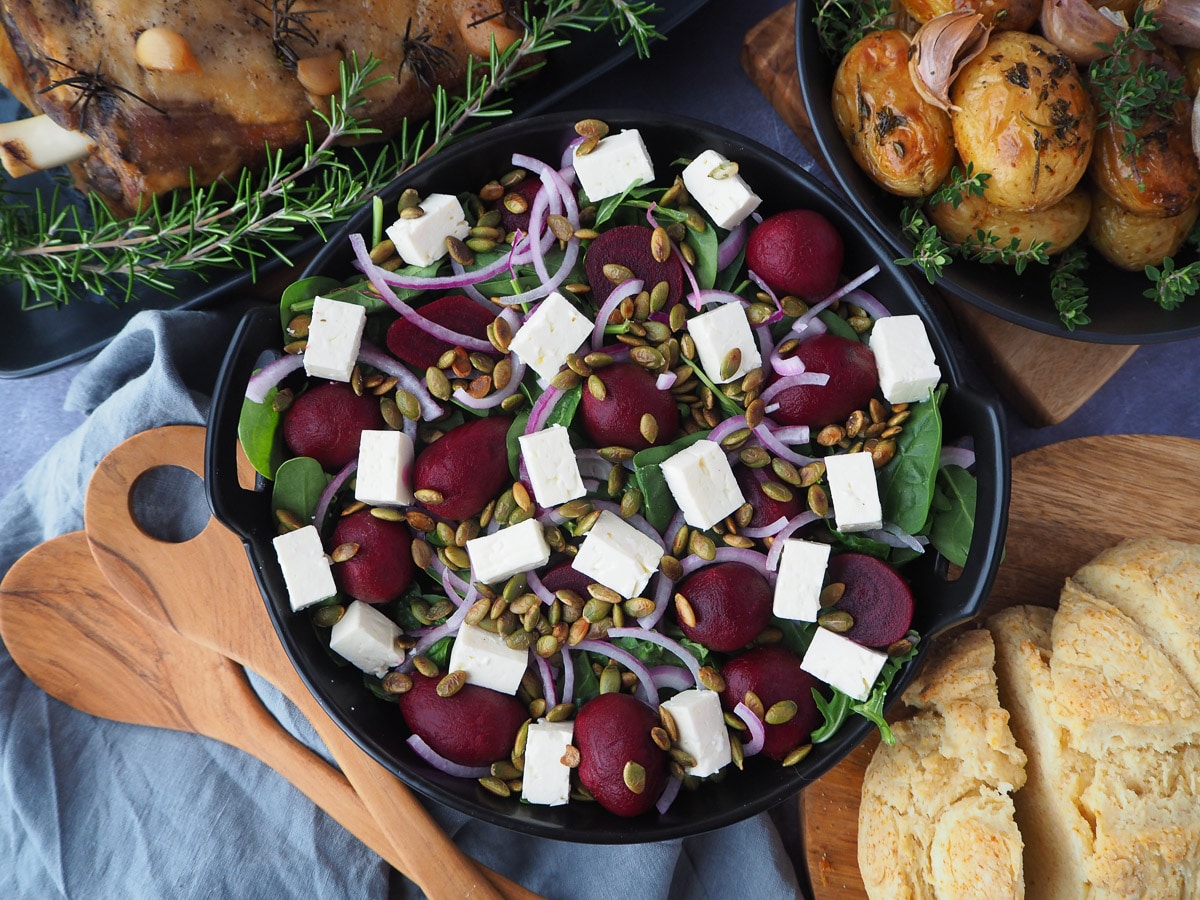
[[1070, 501]]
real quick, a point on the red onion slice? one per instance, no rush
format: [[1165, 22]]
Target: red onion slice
[[568, 691], [957, 456], [270, 375], [782, 384], [752, 558], [666, 381], [767, 438], [436, 282], [670, 792], [656, 637], [673, 678], [765, 530], [373, 356], [628, 660], [542, 408], [731, 245], [794, 525], [331, 489], [892, 536], [662, 595], [547, 677], [786, 365], [758, 732], [792, 434], [535, 584], [718, 297], [630, 288], [442, 764], [868, 304]]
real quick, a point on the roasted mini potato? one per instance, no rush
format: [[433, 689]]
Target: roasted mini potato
[[1022, 114], [1059, 225], [898, 138], [1017, 15], [1132, 242]]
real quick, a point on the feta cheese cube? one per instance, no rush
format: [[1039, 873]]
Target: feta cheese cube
[[306, 569], [501, 555], [702, 483], [725, 197], [366, 638], [385, 460], [422, 241], [488, 661], [697, 714], [618, 162], [552, 467], [801, 575], [617, 555], [908, 370], [546, 780], [552, 332], [333, 339], [720, 331], [843, 664], [854, 491]]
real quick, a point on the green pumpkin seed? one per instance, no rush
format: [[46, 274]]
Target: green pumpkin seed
[[754, 704], [649, 427], [478, 611], [617, 273], [776, 491], [425, 666], [780, 713], [634, 776], [519, 640], [712, 679], [731, 363], [668, 722], [647, 357], [684, 611], [495, 786], [610, 680], [547, 645], [438, 383], [615, 454], [702, 546], [737, 752], [836, 620], [328, 616], [755, 457], [596, 388], [631, 502], [565, 380], [397, 683], [817, 500], [451, 684], [797, 755], [671, 567]]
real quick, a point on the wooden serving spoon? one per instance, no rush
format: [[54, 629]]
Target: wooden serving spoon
[[79, 641], [165, 581]]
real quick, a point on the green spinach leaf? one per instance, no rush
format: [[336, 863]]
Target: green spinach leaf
[[515, 430], [440, 651], [564, 410], [704, 243], [906, 483], [837, 325], [587, 685], [658, 504], [727, 277], [258, 432], [298, 486], [298, 295], [953, 518]]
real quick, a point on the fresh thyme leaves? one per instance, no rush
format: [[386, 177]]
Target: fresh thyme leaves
[[422, 57], [843, 23], [288, 25], [1172, 286], [92, 87], [57, 248], [931, 254], [1068, 290], [985, 247], [959, 185]]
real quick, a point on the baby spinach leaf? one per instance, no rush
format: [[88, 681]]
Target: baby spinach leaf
[[258, 432], [648, 653], [728, 276], [631, 196], [861, 543], [836, 325], [298, 295], [953, 519], [587, 685], [658, 504], [796, 635], [515, 430], [564, 410], [704, 243], [906, 483], [834, 711], [440, 652], [298, 486]]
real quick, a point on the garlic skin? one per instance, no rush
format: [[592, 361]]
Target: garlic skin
[[1076, 27], [940, 49], [1180, 20]]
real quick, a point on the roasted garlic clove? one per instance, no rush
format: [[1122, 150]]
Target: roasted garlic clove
[[1080, 29], [940, 49]]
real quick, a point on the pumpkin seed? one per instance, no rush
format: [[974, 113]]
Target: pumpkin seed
[[570, 757], [565, 380], [754, 704], [615, 454], [731, 363], [547, 645], [297, 326], [631, 502], [734, 722], [597, 360], [397, 683], [634, 776], [780, 713], [438, 383], [770, 636], [901, 647], [776, 491], [428, 496], [671, 567], [595, 610], [282, 401], [425, 666], [682, 757], [579, 631], [831, 594], [817, 500], [702, 546], [521, 496], [882, 453], [610, 680], [388, 514], [836, 620], [596, 387], [661, 739], [737, 752], [712, 679], [452, 684], [560, 227], [513, 402], [440, 610], [499, 332], [668, 722], [328, 616], [684, 611], [755, 457], [495, 786], [587, 128], [344, 552], [647, 357], [797, 755], [616, 480], [411, 212], [584, 523], [505, 770]]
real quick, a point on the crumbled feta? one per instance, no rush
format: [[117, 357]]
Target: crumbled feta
[[334, 337], [854, 491], [719, 332], [384, 476], [721, 193], [702, 733], [546, 779], [908, 370], [366, 638], [801, 575], [501, 555], [702, 483], [617, 163], [617, 555], [422, 241], [552, 467], [842, 663], [488, 661], [552, 332], [306, 569]]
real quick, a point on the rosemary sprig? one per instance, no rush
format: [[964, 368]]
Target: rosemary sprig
[[56, 249], [843, 23]]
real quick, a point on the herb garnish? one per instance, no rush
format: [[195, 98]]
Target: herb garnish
[[843, 23], [1172, 286], [422, 57], [92, 86], [288, 25], [1068, 290]]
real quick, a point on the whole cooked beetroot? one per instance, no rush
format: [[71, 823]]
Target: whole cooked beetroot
[[630, 392], [774, 674], [468, 466], [796, 252], [732, 603], [325, 422], [612, 730], [877, 598], [409, 343], [767, 510], [382, 568], [475, 727], [629, 246], [853, 378]]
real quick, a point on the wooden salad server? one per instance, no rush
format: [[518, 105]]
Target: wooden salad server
[[203, 590]]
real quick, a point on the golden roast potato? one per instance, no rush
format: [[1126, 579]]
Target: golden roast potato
[[1132, 242], [1017, 15], [1059, 225], [898, 138], [1023, 115]]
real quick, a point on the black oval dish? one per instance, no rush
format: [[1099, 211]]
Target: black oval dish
[[1120, 314], [376, 725]]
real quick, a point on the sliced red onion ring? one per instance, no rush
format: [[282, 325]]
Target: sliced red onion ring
[[758, 732], [765, 530], [270, 375], [538, 587], [568, 157], [656, 637], [957, 456], [894, 537], [725, 428], [635, 520], [548, 690], [495, 398], [442, 764], [560, 181], [670, 792], [852, 284], [568, 691], [666, 381], [719, 297], [662, 595], [675, 678], [592, 465], [687, 270], [793, 525], [766, 289], [792, 434], [868, 304], [747, 557], [768, 439], [628, 660], [473, 292], [630, 288], [786, 365], [331, 489], [542, 407], [791, 381], [731, 245], [373, 356]]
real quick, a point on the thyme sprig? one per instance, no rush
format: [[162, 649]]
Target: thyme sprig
[[1068, 290], [843, 23], [56, 247], [1171, 286]]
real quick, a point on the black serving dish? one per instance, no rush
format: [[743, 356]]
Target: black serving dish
[[1119, 312], [376, 726]]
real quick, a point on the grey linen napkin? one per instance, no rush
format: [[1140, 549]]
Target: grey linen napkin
[[98, 809]]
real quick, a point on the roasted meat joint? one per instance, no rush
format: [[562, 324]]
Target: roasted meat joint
[[141, 97]]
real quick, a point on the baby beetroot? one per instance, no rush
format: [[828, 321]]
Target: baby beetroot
[[629, 246], [731, 602], [467, 466], [630, 393], [796, 252], [877, 598], [611, 731], [853, 379], [410, 344], [767, 510], [474, 727], [382, 568], [325, 422], [774, 674]]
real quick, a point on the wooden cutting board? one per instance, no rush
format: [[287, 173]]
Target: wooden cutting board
[[1046, 378], [1069, 502]]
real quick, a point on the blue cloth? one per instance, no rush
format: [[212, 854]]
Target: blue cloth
[[97, 809]]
